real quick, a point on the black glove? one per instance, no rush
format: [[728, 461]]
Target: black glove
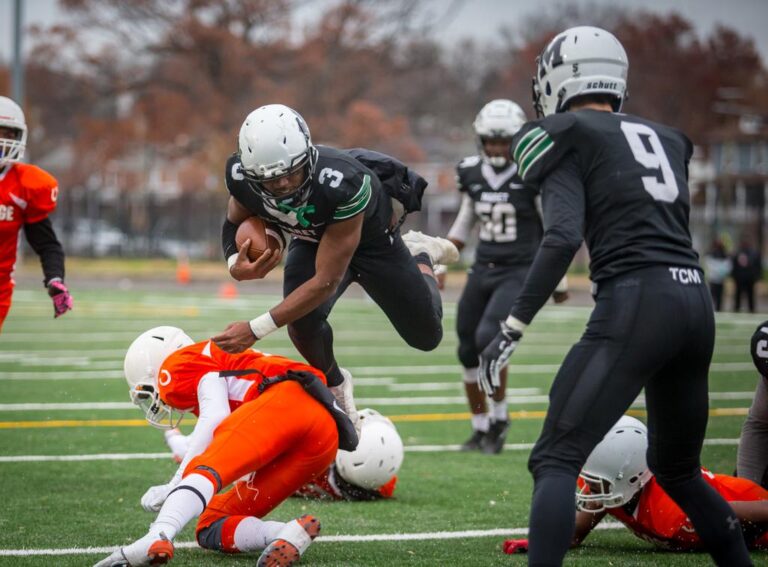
[[495, 357]]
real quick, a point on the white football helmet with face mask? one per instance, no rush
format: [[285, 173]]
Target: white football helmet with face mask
[[616, 469], [378, 455], [579, 61], [274, 141], [13, 132], [142, 365], [499, 119]]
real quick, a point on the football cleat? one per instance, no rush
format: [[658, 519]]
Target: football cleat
[[439, 250], [475, 442], [156, 550], [291, 543], [493, 442], [343, 395]]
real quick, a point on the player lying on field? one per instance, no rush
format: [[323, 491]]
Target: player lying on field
[[367, 473], [616, 481], [285, 428]]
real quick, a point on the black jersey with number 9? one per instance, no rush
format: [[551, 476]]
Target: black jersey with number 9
[[634, 174]]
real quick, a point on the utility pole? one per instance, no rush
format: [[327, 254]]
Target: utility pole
[[17, 77]]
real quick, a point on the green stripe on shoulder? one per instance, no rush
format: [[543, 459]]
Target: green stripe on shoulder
[[535, 153], [356, 203], [525, 141]]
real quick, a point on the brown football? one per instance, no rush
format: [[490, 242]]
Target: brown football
[[263, 235]]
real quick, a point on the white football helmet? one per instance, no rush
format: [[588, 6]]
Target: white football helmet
[[274, 141], [378, 455], [500, 118], [579, 61], [12, 146], [142, 364], [616, 469]]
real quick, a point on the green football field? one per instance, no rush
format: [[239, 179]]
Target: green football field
[[76, 456]]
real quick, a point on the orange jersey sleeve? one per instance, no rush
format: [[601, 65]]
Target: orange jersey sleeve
[[181, 372], [658, 519], [39, 189]]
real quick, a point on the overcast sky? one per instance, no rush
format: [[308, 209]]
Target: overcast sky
[[480, 19]]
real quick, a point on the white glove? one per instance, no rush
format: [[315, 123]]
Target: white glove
[[153, 498]]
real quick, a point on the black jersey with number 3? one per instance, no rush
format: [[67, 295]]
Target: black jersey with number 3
[[620, 180], [341, 188], [510, 224]]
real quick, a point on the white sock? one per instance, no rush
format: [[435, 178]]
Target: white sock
[[499, 410], [481, 422], [182, 506], [253, 534]]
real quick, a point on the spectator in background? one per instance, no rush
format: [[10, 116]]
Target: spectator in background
[[718, 267], [747, 270]]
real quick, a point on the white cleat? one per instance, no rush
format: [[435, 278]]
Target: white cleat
[[149, 550], [439, 250], [343, 395]]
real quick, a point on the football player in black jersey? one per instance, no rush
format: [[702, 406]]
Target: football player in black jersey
[[619, 182], [341, 221], [510, 231], [752, 455]]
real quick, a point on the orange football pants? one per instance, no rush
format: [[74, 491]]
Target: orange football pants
[[284, 437]]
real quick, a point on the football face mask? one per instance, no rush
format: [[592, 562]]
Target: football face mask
[[155, 410]]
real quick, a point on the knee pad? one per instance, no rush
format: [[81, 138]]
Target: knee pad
[[210, 536], [220, 535]]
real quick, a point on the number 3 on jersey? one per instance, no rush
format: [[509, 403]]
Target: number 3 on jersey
[[665, 190], [499, 223]]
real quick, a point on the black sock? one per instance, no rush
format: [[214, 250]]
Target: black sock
[[553, 519]]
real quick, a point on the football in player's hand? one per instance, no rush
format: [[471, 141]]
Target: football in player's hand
[[263, 235]]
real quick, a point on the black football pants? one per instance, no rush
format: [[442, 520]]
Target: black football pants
[[648, 330], [486, 300], [389, 274]]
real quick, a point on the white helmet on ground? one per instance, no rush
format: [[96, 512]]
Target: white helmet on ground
[[500, 118], [12, 145], [616, 469], [274, 141], [579, 61], [378, 455], [142, 364]]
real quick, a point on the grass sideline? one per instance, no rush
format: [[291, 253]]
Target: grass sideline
[[54, 505]]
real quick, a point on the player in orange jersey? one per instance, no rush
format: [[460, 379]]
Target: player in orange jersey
[[616, 481], [27, 196], [282, 434], [367, 473]]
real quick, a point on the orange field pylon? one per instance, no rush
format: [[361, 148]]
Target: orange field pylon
[[228, 290], [183, 274]]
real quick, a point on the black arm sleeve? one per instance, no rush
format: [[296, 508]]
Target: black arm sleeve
[[563, 202], [228, 231], [43, 241]]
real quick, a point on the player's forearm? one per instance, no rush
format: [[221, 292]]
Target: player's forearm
[[755, 512], [548, 268], [304, 299], [42, 239]]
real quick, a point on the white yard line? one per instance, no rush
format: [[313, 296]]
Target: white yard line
[[168, 456], [498, 532]]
